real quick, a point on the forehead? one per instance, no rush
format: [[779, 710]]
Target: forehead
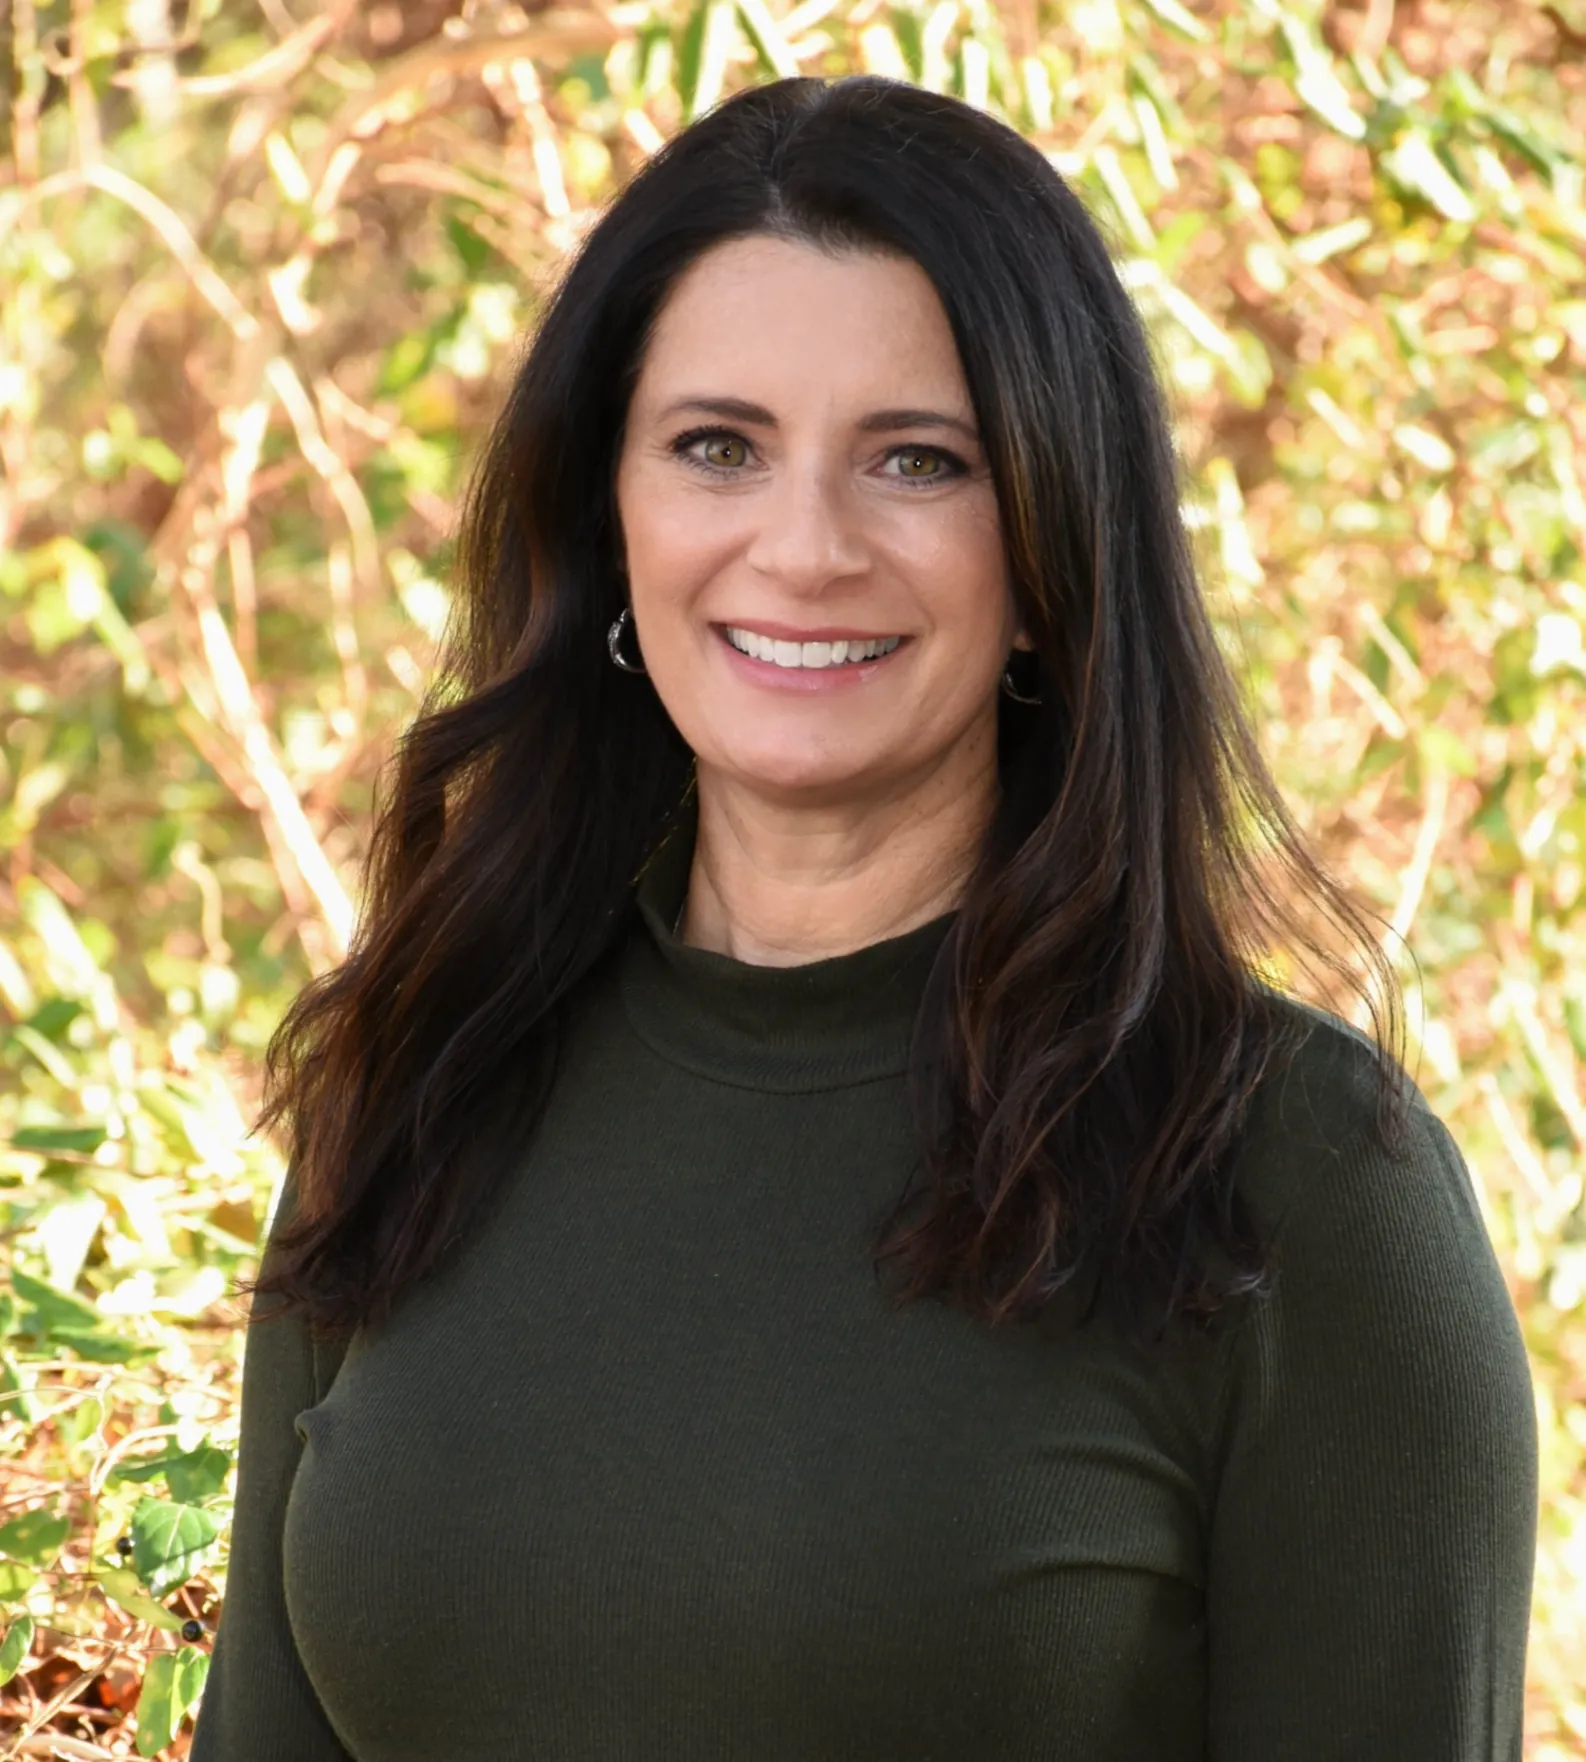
[[768, 317]]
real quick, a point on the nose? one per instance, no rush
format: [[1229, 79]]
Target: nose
[[809, 533]]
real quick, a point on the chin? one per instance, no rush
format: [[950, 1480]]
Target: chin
[[810, 775]]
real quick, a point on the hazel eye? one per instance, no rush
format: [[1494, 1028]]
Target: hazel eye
[[725, 450], [919, 462]]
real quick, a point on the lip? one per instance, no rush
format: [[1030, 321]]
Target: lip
[[805, 680]]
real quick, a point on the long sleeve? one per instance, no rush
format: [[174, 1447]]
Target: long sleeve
[[1374, 1530], [258, 1705]]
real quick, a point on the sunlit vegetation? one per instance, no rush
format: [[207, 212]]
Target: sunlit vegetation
[[262, 274]]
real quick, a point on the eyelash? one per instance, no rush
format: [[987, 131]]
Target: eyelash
[[955, 467]]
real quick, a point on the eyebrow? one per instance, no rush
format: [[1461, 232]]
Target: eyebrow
[[876, 422]]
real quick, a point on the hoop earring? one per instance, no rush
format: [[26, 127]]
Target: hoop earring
[[1012, 691], [614, 645]]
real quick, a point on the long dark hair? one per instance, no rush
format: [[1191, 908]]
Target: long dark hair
[[1093, 1030]]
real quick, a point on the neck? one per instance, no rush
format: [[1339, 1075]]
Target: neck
[[781, 884]]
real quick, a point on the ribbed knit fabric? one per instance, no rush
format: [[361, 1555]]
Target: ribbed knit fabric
[[651, 1472]]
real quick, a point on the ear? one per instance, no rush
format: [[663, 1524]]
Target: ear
[[1024, 640]]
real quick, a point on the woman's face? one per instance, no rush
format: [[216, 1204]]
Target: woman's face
[[814, 555]]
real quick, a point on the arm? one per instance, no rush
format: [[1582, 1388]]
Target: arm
[[1374, 1530], [258, 1705]]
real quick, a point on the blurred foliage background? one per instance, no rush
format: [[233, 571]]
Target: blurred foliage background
[[263, 268]]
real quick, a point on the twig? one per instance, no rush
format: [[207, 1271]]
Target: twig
[[1376, 30], [80, 94], [1420, 864], [273, 68], [425, 174], [1519, 1147], [341, 483], [1557, 1073], [29, 91], [244, 595], [57, 1744], [172, 232], [65, 1697], [555, 32], [1570, 40], [344, 630]]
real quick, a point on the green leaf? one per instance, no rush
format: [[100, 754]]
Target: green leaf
[[1575, 1022], [769, 43], [170, 1543], [54, 1309], [1176, 18], [689, 45], [198, 1475], [35, 1537], [191, 1475], [157, 1721], [1416, 164], [1441, 748], [99, 1346], [120, 1584], [77, 1140], [16, 1581], [81, 1421], [192, 1671], [54, 1016], [171, 1685], [15, 1647], [143, 1468], [16, 1395], [407, 358], [1537, 153]]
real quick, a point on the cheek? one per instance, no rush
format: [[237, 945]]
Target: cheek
[[961, 575], [670, 542]]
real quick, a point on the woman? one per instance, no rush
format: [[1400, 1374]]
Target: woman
[[888, 1282]]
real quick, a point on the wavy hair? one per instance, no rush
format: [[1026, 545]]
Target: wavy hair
[[1094, 1028]]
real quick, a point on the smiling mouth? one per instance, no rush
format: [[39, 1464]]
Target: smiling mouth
[[813, 656]]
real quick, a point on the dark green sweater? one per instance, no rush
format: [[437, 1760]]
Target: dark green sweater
[[651, 1472]]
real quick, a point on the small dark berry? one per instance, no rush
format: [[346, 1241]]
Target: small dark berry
[[192, 1630], [123, 1545]]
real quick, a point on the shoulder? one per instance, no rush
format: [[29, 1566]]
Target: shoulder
[[1387, 1311], [1375, 1464], [1313, 1135], [1380, 1252]]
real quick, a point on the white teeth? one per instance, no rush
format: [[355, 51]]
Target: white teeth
[[817, 655]]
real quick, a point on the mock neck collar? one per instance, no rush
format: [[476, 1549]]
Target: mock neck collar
[[829, 1024]]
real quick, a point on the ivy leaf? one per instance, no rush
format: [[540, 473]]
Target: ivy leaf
[[16, 1581], [68, 1321], [156, 1721], [78, 1140], [121, 1585], [143, 1468], [53, 1309], [15, 1647], [100, 1346], [191, 1475], [17, 1392], [35, 1537], [171, 1685], [198, 1475], [169, 1543]]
